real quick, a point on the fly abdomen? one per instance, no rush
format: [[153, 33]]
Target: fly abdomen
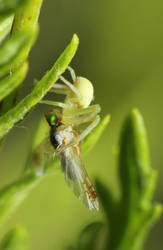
[[53, 138]]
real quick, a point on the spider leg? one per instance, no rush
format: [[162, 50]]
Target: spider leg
[[79, 116], [72, 73], [57, 104], [71, 86], [59, 89]]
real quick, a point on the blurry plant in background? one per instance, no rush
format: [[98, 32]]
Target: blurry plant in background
[[128, 219]]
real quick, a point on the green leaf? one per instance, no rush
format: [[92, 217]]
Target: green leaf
[[137, 178], [16, 114], [93, 137], [10, 6], [27, 17], [90, 237], [5, 26], [12, 50], [150, 217], [16, 239], [110, 207], [136, 212], [13, 195], [9, 83], [131, 217]]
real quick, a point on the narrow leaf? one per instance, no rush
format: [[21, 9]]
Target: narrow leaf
[[5, 26], [137, 184], [11, 51], [90, 237], [150, 218], [134, 164], [27, 17], [93, 137], [10, 6], [13, 195], [9, 83], [110, 207]]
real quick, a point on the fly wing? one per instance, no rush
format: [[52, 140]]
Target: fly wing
[[77, 178]]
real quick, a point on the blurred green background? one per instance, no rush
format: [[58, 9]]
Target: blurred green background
[[121, 52]]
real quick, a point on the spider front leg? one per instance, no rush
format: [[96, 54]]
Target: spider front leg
[[79, 116], [72, 73], [60, 89], [56, 104]]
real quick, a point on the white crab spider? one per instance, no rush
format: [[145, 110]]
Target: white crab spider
[[65, 137]]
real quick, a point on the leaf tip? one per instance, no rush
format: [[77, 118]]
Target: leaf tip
[[135, 111], [158, 209], [75, 39], [107, 119]]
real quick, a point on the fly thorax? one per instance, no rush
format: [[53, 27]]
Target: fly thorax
[[62, 137]]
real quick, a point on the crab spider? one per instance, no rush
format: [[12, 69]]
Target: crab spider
[[76, 109], [64, 135]]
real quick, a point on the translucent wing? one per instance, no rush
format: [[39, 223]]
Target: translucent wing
[[77, 178]]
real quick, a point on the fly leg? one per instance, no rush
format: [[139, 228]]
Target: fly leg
[[71, 86], [64, 89]]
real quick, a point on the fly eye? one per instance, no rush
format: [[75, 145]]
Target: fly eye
[[52, 119]]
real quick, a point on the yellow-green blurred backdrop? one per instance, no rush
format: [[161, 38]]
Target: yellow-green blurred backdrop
[[121, 52]]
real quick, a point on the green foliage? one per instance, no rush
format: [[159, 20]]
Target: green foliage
[[128, 218], [12, 47], [134, 213], [25, 21], [90, 237], [12, 196], [5, 26], [10, 6], [16, 239], [12, 81], [8, 120]]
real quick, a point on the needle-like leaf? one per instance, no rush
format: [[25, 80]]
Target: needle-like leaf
[[5, 26], [10, 6], [12, 81]]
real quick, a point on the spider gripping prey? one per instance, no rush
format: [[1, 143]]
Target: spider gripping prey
[[65, 136]]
